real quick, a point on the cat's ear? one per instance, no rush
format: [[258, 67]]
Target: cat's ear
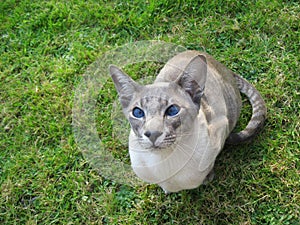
[[193, 78], [126, 87]]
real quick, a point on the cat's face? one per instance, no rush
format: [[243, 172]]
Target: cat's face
[[160, 115]]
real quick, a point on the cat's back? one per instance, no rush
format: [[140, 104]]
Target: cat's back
[[175, 66], [178, 64]]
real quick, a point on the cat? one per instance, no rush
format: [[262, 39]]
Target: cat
[[180, 123]]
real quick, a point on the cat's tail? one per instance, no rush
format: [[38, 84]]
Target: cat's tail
[[259, 112]]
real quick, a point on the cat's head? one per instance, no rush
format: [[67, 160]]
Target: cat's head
[[162, 113]]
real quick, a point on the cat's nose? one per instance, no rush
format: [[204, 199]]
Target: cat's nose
[[152, 135]]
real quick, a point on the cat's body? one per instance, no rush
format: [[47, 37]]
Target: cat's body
[[181, 122]]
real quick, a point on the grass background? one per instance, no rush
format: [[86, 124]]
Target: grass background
[[46, 47]]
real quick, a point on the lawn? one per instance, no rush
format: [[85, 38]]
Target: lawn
[[46, 49]]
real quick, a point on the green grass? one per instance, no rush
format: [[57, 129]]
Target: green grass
[[45, 49]]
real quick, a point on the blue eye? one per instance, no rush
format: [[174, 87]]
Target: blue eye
[[138, 113], [173, 110]]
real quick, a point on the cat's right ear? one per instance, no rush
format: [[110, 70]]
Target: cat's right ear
[[126, 87], [193, 78]]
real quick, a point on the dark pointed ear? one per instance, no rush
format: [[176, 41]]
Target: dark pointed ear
[[126, 87], [193, 78]]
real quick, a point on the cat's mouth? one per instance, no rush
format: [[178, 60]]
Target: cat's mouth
[[160, 143], [155, 148], [165, 144], [151, 147]]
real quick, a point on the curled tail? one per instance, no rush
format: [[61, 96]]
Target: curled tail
[[259, 112]]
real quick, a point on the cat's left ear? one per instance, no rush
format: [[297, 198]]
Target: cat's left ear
[[193, 78], [126, 87]]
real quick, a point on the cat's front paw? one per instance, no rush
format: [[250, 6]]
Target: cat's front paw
[[166, 191], [209, 177]]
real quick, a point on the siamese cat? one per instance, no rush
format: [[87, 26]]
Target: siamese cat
[[180, 123]]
